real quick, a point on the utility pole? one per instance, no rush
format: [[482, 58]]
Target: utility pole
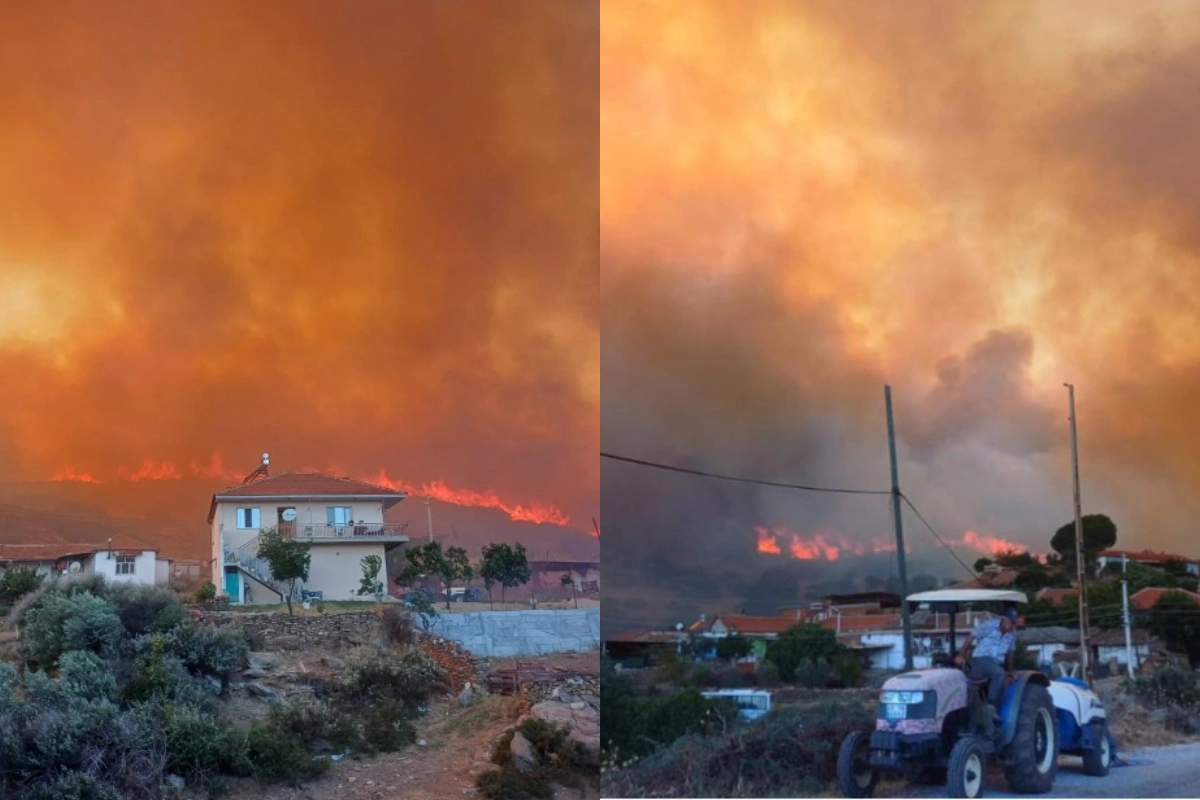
[[1081, 572], [1125, 609], [899, 522], [429, 513]]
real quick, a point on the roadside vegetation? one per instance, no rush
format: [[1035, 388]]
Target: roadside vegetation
[[117, 692]]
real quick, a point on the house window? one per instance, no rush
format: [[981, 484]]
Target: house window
[[339, 515], [247, 518], [125, 565]]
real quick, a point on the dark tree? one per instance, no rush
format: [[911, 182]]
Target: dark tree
[[505, 565], [731, 648], [1013, 559], [1175, 619], [1099, 533], [803, 643], [429, 561], [982, 563]]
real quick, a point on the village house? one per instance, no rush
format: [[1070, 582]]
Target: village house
[[341, 518], [1146, 598], [1115, 558], [121, 559], [547, 575]]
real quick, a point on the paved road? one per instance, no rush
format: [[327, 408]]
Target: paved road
[[1172, 771]]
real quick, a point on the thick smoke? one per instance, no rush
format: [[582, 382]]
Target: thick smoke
[[804, 203], [361, 235]]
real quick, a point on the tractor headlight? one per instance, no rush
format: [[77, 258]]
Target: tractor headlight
[[903, 698]]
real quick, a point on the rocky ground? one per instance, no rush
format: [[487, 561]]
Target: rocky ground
[[455, 738]]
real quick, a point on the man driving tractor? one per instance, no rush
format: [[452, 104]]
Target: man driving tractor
[[991, 650]]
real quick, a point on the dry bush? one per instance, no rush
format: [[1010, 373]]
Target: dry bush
[[397, 625]]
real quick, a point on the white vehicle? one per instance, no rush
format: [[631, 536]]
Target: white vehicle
[[751, 703]]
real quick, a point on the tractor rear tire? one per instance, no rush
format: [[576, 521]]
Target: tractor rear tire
[[1097, 760], [856, 776], [966, 770], [1033, 753]]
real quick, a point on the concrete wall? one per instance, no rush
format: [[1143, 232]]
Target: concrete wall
[[307, 510], [336, 569], [500, 634]]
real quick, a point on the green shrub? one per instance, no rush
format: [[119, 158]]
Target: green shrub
[[86, 675], [313, 721], [61, 622], [397, 624], [813, 674], [196, 741], [387, 727], [8, 683], [160, 677], [274, 755], [409, 676], [206, 592], [510, 784], [768, 675], [635, 726], [16, 582], [1168, 686], [145, 609], [557, 759], [202, 650], [73, 786]]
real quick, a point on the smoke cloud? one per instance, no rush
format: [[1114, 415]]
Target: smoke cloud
[[805, 202], [357, 235]]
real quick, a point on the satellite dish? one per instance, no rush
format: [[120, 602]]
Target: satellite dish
[[75, 567], [289, 515]]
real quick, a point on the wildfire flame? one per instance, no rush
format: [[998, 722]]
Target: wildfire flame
[[151, 471], [71, 474], [992, 545], [536, 512], [821, 546], [215, 468]]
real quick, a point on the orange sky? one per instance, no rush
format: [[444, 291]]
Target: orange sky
[[359, 235], [802, 201]]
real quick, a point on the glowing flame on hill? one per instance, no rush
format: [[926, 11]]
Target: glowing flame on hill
[[152, 471], [818, 547], [992, 545], [71, 474], [537, 512], [766, 542]]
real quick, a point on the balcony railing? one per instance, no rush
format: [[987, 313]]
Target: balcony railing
[[356, 530]]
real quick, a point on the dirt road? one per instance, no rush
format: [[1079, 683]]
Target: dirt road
[[1171, 771]]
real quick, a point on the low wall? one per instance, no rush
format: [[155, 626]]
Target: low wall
[[279, 631], [502, 634]]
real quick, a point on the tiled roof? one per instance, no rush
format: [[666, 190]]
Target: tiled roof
[[1050, 634], [860, 622], [1116, 637], [56, 550], [647, 637], [741, 623], [1146, 598], [1055, 595], [306, 484], [1146, 555]]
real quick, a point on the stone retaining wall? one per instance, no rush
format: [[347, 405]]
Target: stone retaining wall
[[280, 631], [502, 634]]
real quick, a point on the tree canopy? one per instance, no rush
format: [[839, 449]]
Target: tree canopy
[[504, 564], [1175, 619], [1099, 533], [287, 559], [430, 561]]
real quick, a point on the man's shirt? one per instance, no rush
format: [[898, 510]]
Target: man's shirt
[[990, 642]]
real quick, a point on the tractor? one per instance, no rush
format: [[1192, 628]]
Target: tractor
[[936, 723]]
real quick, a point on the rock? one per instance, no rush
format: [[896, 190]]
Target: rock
[[422, 743], [565, 696], [333, 663], [260, 691], [176, 782], [262, 661], [466, 695], [523, 756], [1158, 716], [578, 705], [592, 700], [252, 674], [354, 638], [214, 684], [288, 642]]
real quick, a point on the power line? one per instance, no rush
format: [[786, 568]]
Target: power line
[[736, 479], [949, 550]]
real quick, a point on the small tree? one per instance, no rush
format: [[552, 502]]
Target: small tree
[[287, 559], [16, 582], [1099, 533], [982, 563], [567, 580], [430, 561], [803, 644], [505, 565], [1175, 619], [731, 648], [370, 583]]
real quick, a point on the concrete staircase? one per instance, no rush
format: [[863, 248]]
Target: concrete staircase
[[246, 557]]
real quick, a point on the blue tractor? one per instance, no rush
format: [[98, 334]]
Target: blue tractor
[[936, 723]]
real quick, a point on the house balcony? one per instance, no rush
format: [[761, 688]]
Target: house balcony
[[386, 532]]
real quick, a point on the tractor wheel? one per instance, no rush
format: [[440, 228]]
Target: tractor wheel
[[1097, 760], [1033, 753], [966, 769], [855, 775]]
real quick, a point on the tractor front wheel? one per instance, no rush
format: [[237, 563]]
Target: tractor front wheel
[[856, 776], [1033, 753], [1097, 760], [965, 772]]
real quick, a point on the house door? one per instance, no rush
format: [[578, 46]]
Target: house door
[[287, 520], [233, 586]]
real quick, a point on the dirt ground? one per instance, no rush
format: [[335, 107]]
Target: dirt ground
[[458, 744]]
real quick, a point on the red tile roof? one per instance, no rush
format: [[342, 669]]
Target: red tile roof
[[10, 553], [988, 580], [1055, 596], [1146, 555], [741, 623], [1146, 598], [860, 622], [307, 484]]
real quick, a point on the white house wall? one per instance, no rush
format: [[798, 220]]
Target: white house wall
[[143, 567], [336, 569], [307, 511]]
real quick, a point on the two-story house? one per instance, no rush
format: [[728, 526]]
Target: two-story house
[[341, 518]]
